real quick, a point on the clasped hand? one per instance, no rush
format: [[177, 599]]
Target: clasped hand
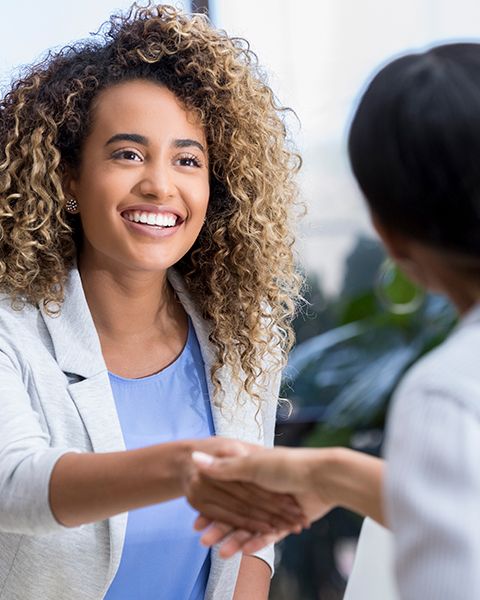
[[247, 498], [243, 505]]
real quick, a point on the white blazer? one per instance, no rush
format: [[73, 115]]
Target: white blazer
[[55, 397]]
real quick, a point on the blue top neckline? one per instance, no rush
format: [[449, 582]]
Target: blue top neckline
[[158, 374]]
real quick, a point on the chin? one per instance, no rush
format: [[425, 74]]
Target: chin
[[152, 264]]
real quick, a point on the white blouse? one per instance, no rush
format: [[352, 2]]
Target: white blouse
[[432, 487]]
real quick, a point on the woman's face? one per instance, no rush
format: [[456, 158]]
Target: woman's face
[[143, 184]]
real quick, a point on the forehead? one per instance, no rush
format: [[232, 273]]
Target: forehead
[[143, 107]]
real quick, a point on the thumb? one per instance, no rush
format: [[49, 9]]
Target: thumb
[[225, 469]]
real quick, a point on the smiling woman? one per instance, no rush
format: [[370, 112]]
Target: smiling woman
[[147, 279]]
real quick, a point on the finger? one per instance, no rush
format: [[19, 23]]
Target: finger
[[255, 494], [247, 516], [248, 543], [279, 504], [225, 469], [217, 512], [227, 447], [247, 500], [215, 534], [259, 541], [210, 499], [201, 523], [235, 542]]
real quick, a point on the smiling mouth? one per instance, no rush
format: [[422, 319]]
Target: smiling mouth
[[164, 220]]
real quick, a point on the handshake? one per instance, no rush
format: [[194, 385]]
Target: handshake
[[249, 496]]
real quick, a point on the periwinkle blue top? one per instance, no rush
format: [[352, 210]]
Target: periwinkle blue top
[[162, 558]]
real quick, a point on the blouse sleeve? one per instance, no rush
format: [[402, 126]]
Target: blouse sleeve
[[432, 492], [26, 459]]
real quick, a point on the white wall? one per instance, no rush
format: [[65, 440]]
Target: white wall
[[319, 54], [29, 27]]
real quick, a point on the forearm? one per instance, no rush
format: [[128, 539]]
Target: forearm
[[253, 582], [91, 487], [351, 479]]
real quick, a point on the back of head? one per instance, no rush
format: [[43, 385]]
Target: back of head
[[414, 146]]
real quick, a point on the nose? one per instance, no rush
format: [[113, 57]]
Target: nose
[[157, 181]]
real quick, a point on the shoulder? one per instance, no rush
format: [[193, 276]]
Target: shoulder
[[434, 421], [433, 427], [17, 321], [450, 372], [23, 333]]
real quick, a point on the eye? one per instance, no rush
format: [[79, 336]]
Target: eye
[[189, 160], [130, 155]]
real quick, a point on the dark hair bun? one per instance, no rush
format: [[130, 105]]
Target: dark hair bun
[[414, 146]]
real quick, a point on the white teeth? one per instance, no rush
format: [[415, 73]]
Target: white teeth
[[163, 220], [150, 218]]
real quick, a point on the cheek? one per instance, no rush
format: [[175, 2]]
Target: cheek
[[97, 199], [206, 194], [199, 198], [99, 195]]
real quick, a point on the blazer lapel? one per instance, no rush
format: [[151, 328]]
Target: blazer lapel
[[78, 353]]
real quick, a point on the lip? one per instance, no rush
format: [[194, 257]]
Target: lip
[[152, 231]]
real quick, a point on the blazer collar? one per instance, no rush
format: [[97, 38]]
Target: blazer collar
[[74, 337]]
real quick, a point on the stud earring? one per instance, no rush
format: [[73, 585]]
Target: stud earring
[[71, 206]]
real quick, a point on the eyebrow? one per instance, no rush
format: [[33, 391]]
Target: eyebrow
[[141, 139], [186, 143], [128, 137]]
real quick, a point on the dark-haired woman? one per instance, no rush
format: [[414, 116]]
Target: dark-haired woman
[[156, 145], [414, 146]]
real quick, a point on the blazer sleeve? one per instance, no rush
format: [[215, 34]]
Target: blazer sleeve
[[26, 459]]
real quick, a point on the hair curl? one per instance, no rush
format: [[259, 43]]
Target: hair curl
[[241, 269]]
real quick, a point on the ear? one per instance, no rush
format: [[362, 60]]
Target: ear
[[397, 244], [406, 253], [69, 183]]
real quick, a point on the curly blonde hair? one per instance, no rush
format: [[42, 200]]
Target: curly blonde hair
[[241, 270]]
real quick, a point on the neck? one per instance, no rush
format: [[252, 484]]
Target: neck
[[127, 303], [464, 299], [456, 276]]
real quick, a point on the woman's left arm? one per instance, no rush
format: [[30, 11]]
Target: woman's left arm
[[253, 582]]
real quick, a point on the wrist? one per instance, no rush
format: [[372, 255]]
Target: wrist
[[182, 465], [325, 466], [352, 480]]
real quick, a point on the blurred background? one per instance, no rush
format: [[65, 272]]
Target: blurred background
[[351, 347]]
